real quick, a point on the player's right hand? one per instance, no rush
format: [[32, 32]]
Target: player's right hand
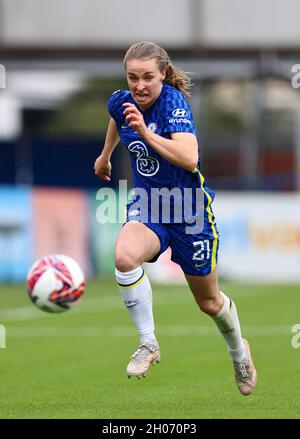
[[102, 168]]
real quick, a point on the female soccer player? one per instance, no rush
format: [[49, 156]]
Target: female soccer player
[[154, 121]]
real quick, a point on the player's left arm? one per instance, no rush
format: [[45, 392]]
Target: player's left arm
[[181, 150]]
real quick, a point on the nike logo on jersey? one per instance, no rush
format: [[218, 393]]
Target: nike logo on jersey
[[124, 126]]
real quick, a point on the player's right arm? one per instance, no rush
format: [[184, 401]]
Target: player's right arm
[[102, 164]]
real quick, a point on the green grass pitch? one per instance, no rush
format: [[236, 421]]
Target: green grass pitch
[[72, 365]]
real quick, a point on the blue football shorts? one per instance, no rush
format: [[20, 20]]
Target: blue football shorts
[[195, 253]]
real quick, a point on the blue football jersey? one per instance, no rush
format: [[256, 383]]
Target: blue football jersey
[[170, 113]]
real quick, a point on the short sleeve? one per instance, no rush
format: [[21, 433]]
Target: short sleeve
[[178, 115], [115, 102]]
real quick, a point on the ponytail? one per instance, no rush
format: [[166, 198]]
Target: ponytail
[[178, 78]]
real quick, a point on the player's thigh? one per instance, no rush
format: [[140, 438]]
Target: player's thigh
[[206, 292], [137, 243], [204, 287]]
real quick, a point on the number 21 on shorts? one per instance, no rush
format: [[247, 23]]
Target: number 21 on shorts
[[202, 250]]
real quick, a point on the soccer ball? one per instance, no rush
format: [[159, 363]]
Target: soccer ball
[[55, 283]]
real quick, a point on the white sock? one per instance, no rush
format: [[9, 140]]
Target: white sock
[[228, 323], [135, 288]]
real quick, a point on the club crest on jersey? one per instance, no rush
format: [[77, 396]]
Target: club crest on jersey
[[152, 127], [145, 164]]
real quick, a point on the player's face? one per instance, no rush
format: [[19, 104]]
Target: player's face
[[144, 81]]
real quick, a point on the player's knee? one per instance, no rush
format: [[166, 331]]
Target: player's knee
[[209, 306], [125, 262]]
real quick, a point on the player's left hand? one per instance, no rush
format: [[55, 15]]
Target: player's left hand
[[134, 118]]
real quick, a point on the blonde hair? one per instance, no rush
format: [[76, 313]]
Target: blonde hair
[[175, 76]]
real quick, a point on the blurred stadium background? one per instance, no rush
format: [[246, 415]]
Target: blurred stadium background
[[62, 59]]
